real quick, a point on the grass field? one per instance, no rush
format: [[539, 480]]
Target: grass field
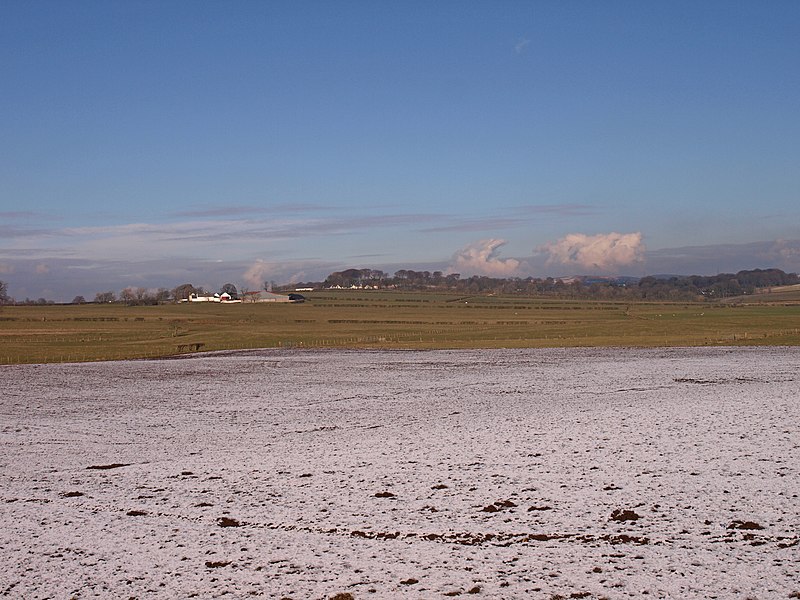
[[378, 319]]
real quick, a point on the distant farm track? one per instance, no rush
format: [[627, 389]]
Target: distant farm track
[[386, 320]]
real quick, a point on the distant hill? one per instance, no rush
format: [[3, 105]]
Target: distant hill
[[784, 294], [652, 287]]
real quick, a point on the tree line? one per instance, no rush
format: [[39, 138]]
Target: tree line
[[139, 296], [679, 288], [131, 296]]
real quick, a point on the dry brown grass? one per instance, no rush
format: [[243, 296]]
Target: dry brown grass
[[364, 319]]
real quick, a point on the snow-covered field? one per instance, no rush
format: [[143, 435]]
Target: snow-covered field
[[582, 473]]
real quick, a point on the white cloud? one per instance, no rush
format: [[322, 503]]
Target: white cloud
[[788, 251], [481, 258], [291, 271], [520, 46], [259, 272], [604, 251], [226, 238]]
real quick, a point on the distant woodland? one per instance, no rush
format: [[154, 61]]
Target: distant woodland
[[680, 288], [676, 288]]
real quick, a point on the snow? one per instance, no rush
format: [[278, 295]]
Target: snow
[[394, 474]]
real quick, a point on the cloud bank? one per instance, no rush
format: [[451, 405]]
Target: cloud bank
[[604, 251], [262, 271], [257, 273], [481, 258]]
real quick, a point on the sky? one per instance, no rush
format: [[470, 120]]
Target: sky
[[152, 144]]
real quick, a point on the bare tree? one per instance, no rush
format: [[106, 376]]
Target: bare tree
[[230, 289], [128, 296], [182, 292], [142, 297], [104, 297]]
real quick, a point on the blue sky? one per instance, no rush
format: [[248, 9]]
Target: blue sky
[[158, 143]]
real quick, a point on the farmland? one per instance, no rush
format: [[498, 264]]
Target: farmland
[[317, 474], [387, 320]]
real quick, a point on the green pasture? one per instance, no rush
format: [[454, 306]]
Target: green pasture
[[382, 319]]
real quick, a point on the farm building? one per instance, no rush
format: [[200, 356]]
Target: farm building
[[224, 298], [264, 297], [193, 297]]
